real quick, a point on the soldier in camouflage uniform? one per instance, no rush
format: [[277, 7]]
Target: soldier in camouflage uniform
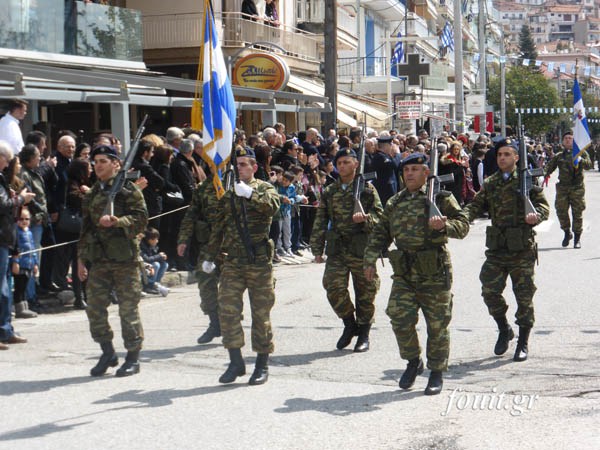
[[511, 248], [570, 190], [422, 270], [343, 235], [110, 245], [197, 224], [247, 265]]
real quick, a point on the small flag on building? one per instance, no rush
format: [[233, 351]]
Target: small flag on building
[[398, 56], [447, 37]]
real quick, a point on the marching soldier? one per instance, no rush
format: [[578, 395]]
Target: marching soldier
[[343, 235], [511, 248], [570, 189], [197, 224], [110, 245], [422, 270], [247, 265]]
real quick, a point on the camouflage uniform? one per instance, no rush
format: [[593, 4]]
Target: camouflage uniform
[[570, 190], [238, 273], [511, 245], [198, 222], [114, 257], [345, 249], [422, 271]]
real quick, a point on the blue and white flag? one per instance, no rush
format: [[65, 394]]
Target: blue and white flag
[[218, 104], [447, 36], [581, 132], [398, 56]]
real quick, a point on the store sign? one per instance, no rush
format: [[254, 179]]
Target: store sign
[[261, 71], [408, 109], [475, 104]]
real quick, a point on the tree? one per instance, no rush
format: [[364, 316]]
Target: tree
[[527, 47], [526, 89]]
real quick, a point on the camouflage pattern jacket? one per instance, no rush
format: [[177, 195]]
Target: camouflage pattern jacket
[[118, 243], [260, 209], [507, 211], [201, 217], [334, 218], [568, 175], [405, 221]]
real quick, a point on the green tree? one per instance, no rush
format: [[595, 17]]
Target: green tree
[[527, 47], [526, 89]]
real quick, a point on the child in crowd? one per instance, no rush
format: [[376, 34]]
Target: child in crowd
[[158, 260], [287, 196], [300, 183], [24, 266]]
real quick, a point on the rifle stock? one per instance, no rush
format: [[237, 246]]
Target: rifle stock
[[121, 176], [435, 181], [526, 175]]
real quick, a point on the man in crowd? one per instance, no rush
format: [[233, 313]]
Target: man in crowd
[[10, 131]]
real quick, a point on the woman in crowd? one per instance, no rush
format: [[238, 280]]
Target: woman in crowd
[[453, 163]]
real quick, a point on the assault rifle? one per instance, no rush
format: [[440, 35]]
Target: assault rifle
[[361, 177], [241, 220], [526, 175], [121, 177], [435, 181]]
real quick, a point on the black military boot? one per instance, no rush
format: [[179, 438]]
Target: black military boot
[[413, 368], [362, 343], [504, 337], [577, 241], [567, 239], [131, 366], [107, 359], [261, 370], [213, 330], [350, 330], [521, 351], [236, 367], [435, 383]]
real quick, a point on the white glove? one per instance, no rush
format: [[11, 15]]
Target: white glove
[[300, 198], [242, 189], [208, 266]]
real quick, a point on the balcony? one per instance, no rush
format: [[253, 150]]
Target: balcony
[[357, 68], [86, 29], [183, 31], [311, 18]]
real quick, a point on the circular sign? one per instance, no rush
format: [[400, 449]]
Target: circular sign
[[261, 71]]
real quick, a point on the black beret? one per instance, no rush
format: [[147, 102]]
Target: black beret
[[344, 152], [567, 133], [386, 139], [245, 152], [506, 142], [414, 158], [107, 150]]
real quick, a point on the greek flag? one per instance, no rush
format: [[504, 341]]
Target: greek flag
[[218, 105], [465, 6], [447, 36], [398, 56], [581, 132]]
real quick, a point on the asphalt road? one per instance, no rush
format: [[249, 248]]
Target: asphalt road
[[318, 397]]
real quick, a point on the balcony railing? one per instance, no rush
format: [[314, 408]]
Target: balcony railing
[[362, 67], [239, 31], [83, 29]]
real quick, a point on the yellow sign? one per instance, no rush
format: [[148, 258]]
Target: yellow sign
[[261, 71]]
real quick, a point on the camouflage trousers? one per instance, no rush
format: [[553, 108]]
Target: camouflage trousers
[[125, 280], [258, 279], [432, 295], [494, 272], [208, 286], [574, 198], [335, 281]]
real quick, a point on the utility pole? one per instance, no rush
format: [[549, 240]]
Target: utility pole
[[459, 96], [482, 72], [329, 119], [502, 85]]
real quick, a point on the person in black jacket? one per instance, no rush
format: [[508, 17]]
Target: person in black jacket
[[249, 10], [156, 183]]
